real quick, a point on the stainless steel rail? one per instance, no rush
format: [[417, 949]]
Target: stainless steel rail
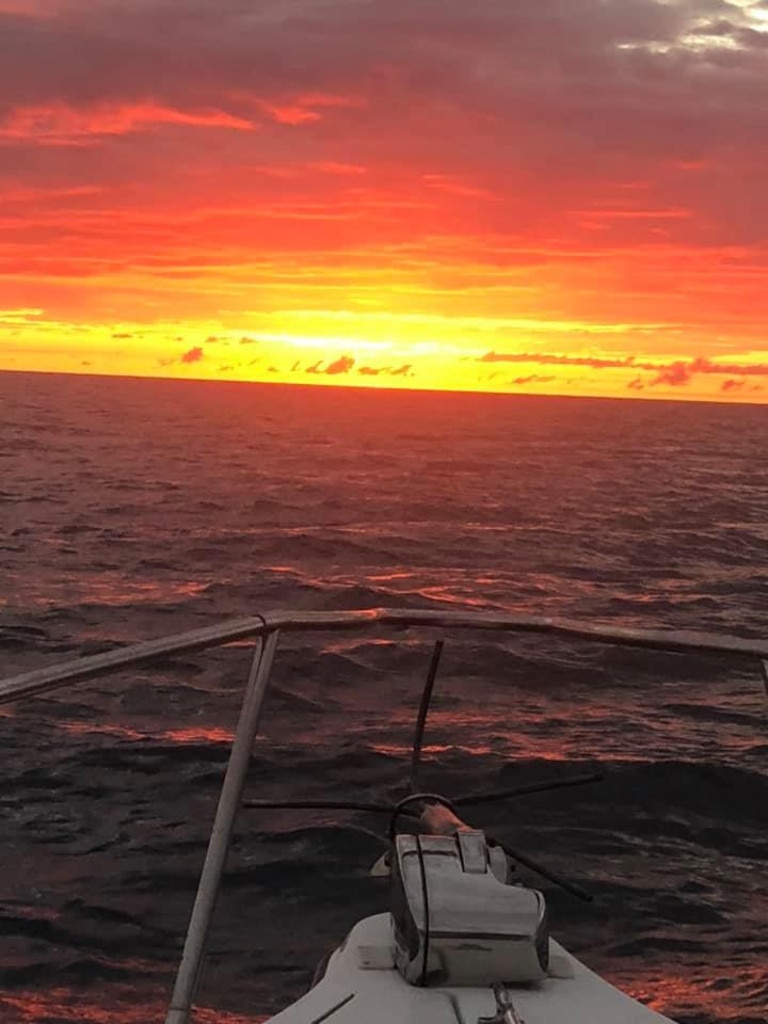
[[265, 629], [221, 833], [46, 679]]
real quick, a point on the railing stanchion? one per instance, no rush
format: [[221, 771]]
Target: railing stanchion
[[218, 844]]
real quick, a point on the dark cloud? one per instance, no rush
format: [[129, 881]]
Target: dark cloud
[[554, 359], [613, 90], [121, 335], [674, 375], [677, 373], [389, 371], [341, 365], [704, 365], [533, 378], [680, 373], [194, 355], [732, 385]]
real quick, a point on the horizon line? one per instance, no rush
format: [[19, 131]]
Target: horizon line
[[408, 389]]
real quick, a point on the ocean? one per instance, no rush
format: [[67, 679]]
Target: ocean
[[130, 509]]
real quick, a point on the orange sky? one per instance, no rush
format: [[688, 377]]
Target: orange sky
[[550, 197]]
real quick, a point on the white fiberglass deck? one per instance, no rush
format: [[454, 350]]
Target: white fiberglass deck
[[351, 993]]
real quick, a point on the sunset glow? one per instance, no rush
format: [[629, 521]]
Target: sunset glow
[[544, 198]]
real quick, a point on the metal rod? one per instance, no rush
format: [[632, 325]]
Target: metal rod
[[534, 865], [218, 844], [79, 669], [421, 718], [529, 788], [317, 805]]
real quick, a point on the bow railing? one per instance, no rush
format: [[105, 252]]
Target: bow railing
[[265, 631]]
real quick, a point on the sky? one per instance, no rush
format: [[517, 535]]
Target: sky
[[550, 197]]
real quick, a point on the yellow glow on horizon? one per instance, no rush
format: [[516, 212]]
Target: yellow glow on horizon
[[383, 350]]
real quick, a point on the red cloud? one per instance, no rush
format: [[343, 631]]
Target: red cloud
[[337, 167], [194, 355], [676, 375], [305, 109], [548, 358], [341, 365], [673, 374], [59, 123], [610, 90], [681, 373], [390, 371], [533, 378], [366, 143], [703, 365]]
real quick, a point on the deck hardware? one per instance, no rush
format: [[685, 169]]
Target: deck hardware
[[505, 1009]]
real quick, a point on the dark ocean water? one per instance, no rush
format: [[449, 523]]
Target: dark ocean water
[[131, 509]]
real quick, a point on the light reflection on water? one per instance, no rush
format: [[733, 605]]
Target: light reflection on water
[[62, 1006], [198, 734], [693, 996], [697, 995]]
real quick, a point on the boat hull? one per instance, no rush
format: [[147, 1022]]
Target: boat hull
[[360, 986]]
